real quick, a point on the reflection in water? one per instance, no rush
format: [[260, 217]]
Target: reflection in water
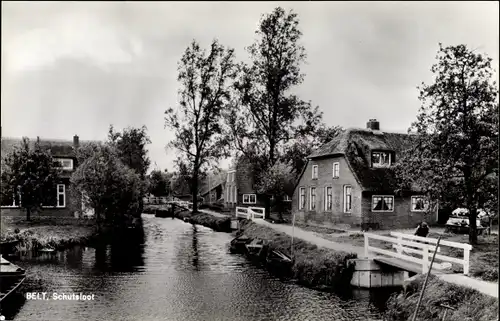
[[173, 271], [195, 248]]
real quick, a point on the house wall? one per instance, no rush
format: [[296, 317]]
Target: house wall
[[325, 178], [401, 217], [72, 208]]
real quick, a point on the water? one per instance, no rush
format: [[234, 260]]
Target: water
[[175, 271]]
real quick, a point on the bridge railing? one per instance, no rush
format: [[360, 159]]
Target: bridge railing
[[425, 247], [250, 213]]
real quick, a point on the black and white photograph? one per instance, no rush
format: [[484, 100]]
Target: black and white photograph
[[249, 161]]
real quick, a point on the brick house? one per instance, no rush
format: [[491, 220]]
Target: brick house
[[350, 181], [66, 202]]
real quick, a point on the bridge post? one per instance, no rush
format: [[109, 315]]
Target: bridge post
[[425, 259], [466, 261]]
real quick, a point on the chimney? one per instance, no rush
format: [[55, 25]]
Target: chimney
[[76, 141], [373, 124]]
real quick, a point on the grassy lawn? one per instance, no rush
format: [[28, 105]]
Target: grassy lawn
[[45, 231]]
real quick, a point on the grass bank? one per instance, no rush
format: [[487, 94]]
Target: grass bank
[[469, 304], [219, 224], [312, 266], [40, 232]]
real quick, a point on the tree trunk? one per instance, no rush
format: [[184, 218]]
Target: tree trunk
[[267, 211], [28, 214], [195, 193]]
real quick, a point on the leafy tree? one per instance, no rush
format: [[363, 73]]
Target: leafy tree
[[302, 146], [278, 180], [113, 189], [159, 184], [179, 185], [265, 115], [30, 174], [457, 129], [205, 81], [130, 147]]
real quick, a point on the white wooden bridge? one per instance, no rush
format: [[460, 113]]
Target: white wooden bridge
[[414, 253]]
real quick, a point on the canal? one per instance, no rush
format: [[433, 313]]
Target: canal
[[175, 271]]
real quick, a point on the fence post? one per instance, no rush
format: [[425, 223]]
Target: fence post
[[425, 258], [466, 261], [366, 245], [399, 247]]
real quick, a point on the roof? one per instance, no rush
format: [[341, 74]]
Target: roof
[[356, 145], [215, 181], [58, 147]]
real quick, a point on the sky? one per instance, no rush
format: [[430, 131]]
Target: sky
[[74, 68]]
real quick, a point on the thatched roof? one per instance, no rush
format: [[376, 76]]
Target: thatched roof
[[58, 147], [356, 145]]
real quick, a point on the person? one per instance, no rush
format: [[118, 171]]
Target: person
[[422, 229]]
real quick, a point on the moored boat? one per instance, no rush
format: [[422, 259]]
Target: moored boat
[[237, 245], [256, 249], [11, 277], [278, 260]]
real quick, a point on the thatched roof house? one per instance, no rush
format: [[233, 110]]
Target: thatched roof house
[[351, 180]]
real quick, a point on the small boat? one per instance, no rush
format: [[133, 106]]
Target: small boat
[[256, 249], [279, 260], [11, 277], [237, 245], [7, 247]]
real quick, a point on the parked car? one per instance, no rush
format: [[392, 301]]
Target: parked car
[[460, 216]]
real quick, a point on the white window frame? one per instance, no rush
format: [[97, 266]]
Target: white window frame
[[287, 198], [66, 168], [249, 199], [311, 202], [383, 196], [379, 164], [326, 198], [350, 203], [315, 167], [426, 203], [61, 193], [336, 171], [302, 201]]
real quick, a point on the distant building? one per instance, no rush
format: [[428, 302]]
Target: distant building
[[67, 202], [350, 180]]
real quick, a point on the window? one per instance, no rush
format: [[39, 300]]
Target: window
[[381, 159], [418, 204], [336, 169], [12, 200], [249, 199], [315, 172], [328, 198], [61, 195], [66, 163], [347, 199], [382, 203], [287, 198], [302, 198], [312, 199]]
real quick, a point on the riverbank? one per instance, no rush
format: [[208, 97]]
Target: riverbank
[[312, 266], [218, 224], [47, 232], [468, 303]]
